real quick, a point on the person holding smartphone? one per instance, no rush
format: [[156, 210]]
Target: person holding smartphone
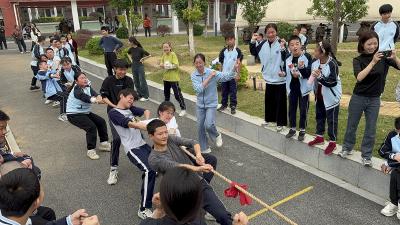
[[370, 70]]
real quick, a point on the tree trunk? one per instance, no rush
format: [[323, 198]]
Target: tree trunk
[[128, 21], [335, 26], [191, 38]]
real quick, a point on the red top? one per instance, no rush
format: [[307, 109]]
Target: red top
[[147, 22]]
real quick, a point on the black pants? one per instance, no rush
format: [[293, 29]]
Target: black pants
[[147, 30], [62, 97], [177, 92], [331, 116], [21, 45], [139, 157], [3, 41], [229, 89], [43, 215], [297, 100], [115, 146], [33, 45], [395, 186], [77, 59], [214, 206], [92, 124], [109, 58], [276, 104], [208, 159], [35, 70]]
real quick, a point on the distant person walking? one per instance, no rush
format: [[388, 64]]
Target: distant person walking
[[19, 39], [3, 38], [147, 24]]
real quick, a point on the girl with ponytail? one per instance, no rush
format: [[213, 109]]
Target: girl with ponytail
[[328, 92]]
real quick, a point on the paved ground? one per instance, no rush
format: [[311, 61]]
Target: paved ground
[[72, 181]]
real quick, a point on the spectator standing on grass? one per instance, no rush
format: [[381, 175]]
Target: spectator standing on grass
[[298, 70], [386, 28], [204, 81], [110, 92], [19, 39], [110, 45], [370, 69], [390, 151], [137, 55], [3, 40], [328, 92], [74, 45], [79, 113], [272, 53], [169, 62], [303, 37], [147, 24], [230, 57]]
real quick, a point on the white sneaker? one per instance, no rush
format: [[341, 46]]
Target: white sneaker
[[265, 124], [56, 104], [48, 101], [279, 128], [92, 154], [182, 113], [218, 141], [147, 213], [113, 177], [390, 209], [207, 151], [209, 217], [22, 52], [63, 117], [105, 146], [143, 99]]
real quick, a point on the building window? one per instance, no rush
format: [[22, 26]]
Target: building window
[[230, 11], [1, 18], [45, 12], [162, 10], [60, 11]]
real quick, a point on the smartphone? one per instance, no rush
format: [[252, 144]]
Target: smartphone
[[387, 53]]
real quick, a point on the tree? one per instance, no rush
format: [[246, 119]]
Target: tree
[[190, 11], [349, 11], [253, 11], [130, 7]]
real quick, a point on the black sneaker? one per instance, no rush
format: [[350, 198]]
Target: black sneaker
[[34, 88], [222, 108], [291, 133], [233, 111], [301, 136]]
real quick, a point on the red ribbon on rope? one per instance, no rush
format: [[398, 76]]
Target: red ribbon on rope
[[233, 192]]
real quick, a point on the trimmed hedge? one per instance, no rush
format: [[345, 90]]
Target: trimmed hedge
[[122, 33], [198, 30], [93, 46]]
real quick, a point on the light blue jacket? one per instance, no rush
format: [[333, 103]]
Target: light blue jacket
[[272, 60], [52, 86], [331, 84], [305, 72], [207, 97], [79, 100]]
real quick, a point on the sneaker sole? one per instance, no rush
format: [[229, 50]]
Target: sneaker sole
[[34, 90], [105, 149], [389, 215]]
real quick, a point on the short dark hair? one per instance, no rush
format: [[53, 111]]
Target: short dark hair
[[128, 91], [181, 194], [164, 106], [365, 36], [105, 28], [230, 35], [48, 49], [66, 60], [41, 62], [261, 34], [18, 191], [120, 63], [397, 123], [386, 8], [41, 38], [271, 25], [63, 36], [4, 116], [199, 55], [76, 76], [294, 38], [153, 125]]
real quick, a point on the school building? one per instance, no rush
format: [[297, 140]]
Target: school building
[[18, 12]]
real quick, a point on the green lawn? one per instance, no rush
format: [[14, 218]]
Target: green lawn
[[251, 102]]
